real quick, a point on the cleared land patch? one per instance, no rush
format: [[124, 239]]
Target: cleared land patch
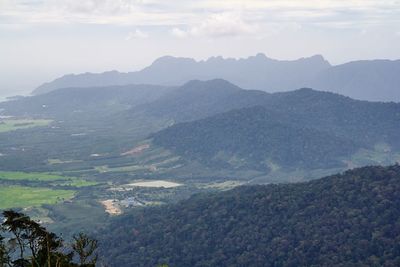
[[23, 197], [381, 154], [158, 183], [136, 151], [59, 161], [7, 125], [111, 207]]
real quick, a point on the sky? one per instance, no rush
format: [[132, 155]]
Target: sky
[[41, 40]]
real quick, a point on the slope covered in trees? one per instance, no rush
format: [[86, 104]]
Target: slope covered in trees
[[366, 122], [349, 219], [200, 99], [255, 137], [299, 129]]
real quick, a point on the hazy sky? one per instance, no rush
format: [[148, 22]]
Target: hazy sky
[[43, 39]]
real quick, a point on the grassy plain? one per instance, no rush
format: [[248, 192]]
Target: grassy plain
[[22, 197], [30, 176], [45, 177], [7, 125], [22, 190]]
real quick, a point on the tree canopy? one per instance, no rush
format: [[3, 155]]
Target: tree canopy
[[349, 219], [25, 243]]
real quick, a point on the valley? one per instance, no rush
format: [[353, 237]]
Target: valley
[[141, 147]]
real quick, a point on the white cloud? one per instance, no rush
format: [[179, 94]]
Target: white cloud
[[203, 18], [137, 34], [192, 12], [223, 24], [218, 25], [179, 33], [112, 12]]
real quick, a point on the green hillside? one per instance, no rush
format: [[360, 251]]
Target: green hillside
[[349, 219], [254, 138], [303, 129]]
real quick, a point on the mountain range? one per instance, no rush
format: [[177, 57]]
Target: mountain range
[[373, 80]]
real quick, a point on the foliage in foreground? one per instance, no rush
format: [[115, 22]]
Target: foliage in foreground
[[25, 243]]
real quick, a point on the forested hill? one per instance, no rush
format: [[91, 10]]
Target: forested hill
[[256, 137], [199, 99], [364, 120], [299, 129], [349, 219]]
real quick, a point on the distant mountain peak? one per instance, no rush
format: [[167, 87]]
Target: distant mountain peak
[[258, 56], [318, 57], [306, 90], [309, 91], [165, 60], [215, 59], [261, 55], [210, 84]]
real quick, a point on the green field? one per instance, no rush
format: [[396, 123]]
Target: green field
[[7, 125], [22, 197], [45, 177], [32, 176], [17, 195]]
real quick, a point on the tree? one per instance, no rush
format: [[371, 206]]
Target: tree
[[31, 245], [4, 253], [35, 236], [85, 248], [15, 223]]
